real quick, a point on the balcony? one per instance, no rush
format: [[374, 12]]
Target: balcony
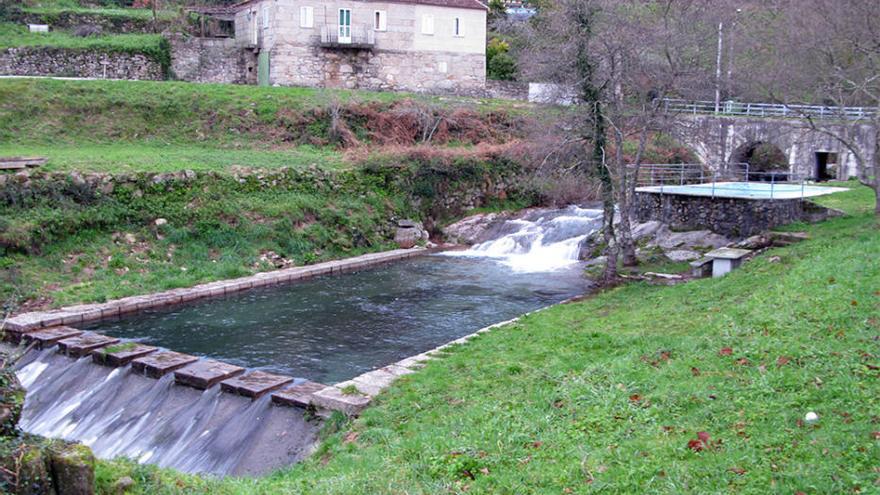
[[361, 37]]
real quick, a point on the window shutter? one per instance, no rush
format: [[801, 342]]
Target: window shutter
[[307, 17], [428, 24], [265, 17]]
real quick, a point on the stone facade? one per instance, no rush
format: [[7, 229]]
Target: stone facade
[[211, 60], [294, 65], [401, 54], [727, 216], [47, 61]]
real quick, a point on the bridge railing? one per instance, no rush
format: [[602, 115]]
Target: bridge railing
[[768, 110]]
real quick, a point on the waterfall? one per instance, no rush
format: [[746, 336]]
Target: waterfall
[[541, 241], [118, 412]]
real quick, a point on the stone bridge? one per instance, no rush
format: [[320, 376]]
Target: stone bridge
[[812, 154]]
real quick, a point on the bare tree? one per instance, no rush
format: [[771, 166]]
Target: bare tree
[[830, 54], [621, 57]]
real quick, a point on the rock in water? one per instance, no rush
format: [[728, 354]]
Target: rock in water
[[73, 469]]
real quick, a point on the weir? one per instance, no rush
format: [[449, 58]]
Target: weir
[[122, 394]]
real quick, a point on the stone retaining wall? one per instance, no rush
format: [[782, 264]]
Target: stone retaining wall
[[106, 22], [49, 61], [727, 216], [211, 60]]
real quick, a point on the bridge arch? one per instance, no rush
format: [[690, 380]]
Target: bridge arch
[[718, 140]]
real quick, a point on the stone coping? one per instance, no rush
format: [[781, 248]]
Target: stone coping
[[75, 315]]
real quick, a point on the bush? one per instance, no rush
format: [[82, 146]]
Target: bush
[[502, 67]]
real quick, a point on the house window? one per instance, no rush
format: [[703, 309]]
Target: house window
[[442, 67], [265, 17], [428, 24], [380, 20], [307, 17], [459, 27]]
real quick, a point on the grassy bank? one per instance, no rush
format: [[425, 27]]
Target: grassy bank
[[152, 45], [138, 157], [694, 388]]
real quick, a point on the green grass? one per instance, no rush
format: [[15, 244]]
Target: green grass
[[51, 111], [140, 14], [153, 157], [154, 45], [605, 395]]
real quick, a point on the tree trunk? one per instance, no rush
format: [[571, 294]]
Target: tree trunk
[[627, 246], [590, 96]]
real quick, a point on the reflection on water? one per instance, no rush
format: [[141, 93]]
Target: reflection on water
[[332, 328]]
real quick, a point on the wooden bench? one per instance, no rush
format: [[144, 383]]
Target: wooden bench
[[21, 162]]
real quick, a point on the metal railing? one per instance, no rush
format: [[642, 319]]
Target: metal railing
[[719, 178], [358, 36], [769, 110]]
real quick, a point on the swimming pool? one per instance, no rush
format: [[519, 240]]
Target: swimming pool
[[745, 190]]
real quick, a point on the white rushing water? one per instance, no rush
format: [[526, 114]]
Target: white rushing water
[[118, 413], [546, 240]]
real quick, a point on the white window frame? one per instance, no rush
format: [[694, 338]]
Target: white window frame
[[382, 17], [265, 15], [306, 17], [344, 30], [458, 27], [428, 25]]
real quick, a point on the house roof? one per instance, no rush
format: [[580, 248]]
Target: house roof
[[459, 4]]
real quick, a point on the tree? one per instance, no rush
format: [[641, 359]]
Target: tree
[[497, 11], [621, 58], [830, 54]]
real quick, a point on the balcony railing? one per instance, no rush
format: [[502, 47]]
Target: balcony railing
[[360, 37]]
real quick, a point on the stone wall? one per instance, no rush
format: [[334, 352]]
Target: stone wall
[[435, 72], [49, 61], [212, 60], [727, 216]]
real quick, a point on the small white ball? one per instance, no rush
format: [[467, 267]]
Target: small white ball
[[811, 417]]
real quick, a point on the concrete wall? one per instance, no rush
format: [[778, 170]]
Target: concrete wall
[[403, 58], [48, 61], [213, 60]]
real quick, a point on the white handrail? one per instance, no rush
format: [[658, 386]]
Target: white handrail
[[769, 110]]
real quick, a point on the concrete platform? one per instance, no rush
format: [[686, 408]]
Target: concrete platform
[[50, 336], [121, 354], [255, 384], [206, 373], [84, 344], [160, 363], [299, 395]]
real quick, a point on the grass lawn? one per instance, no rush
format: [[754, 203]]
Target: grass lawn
[[15, 35], [694, 388], [155, 157]]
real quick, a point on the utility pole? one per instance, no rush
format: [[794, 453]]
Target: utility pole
[[718, 67]]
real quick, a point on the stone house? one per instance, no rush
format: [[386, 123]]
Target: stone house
[[408, 45]]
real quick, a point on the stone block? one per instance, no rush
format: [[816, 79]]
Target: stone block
[[334, 399], [299, 395], [158, 364], [122, 354], [206, 373], [255, 384], [374, 381], [84, 344], [48, 337]]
